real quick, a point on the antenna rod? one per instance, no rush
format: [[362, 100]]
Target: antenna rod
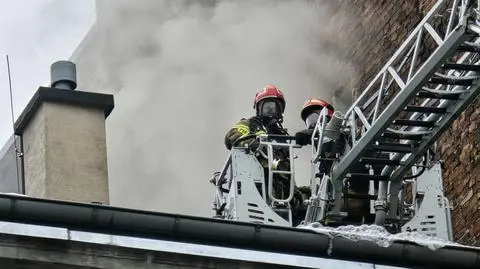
[[17, 151]]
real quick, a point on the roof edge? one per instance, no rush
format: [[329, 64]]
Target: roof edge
[[198, 230]]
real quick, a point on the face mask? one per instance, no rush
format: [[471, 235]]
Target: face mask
[[311, 120], [269, 109]]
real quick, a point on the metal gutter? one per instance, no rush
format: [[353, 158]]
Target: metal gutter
[[110, 243], [190, 229]]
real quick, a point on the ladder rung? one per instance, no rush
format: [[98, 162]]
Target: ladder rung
[[468, 47], [367, 160], [425, 109], [360, 196], [434, 95], [415, 137], [393, 147], [419, 123], [451, 81], [281, 172], [464, 67], [360, 176]]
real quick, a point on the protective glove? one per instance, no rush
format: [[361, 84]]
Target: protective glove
[[253, 145], [282, 165], [297, 200], [304, 137]]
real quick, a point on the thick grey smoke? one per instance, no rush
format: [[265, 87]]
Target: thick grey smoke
[[183, 73]]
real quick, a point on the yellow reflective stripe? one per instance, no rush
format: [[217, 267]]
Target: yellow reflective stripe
[[243, 129], [275, 164], [261, 132]]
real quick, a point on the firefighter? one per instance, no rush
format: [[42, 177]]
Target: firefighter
[[356, 208], [310, 113], [269, 105]]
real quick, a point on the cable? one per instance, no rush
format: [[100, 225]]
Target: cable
[[425, 162], [13, 123]]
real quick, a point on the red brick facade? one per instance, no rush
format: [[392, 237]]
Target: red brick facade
[[459, 147]]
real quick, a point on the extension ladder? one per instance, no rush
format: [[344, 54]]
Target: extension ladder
[[415, 97]]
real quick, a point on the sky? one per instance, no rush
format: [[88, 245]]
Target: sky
[[34, 34]]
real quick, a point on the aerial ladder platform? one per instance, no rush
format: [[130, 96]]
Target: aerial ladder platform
[[389, 131], [416, 96]]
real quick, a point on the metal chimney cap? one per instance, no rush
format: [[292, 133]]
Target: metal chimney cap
[[63, 75]]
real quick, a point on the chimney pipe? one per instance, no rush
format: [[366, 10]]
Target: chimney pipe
[[63, 75]]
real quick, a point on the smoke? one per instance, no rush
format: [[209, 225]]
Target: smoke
[[184, 72]]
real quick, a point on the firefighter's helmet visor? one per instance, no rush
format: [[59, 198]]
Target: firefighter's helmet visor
[[270, 108]]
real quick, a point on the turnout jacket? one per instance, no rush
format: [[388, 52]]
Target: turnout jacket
[[251, 126]]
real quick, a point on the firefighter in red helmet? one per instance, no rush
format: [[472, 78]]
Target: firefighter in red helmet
[[269, 105]]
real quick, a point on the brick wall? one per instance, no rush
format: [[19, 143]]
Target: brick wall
[[380, 27], [459, 147]]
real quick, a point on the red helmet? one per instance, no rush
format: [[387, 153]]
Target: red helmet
[[269, 91], [316, 104]]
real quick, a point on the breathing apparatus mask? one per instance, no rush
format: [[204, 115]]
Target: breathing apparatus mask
[[312, 119], [270, 111]]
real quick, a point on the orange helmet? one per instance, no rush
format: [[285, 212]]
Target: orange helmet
[[269, 92], [316, 104]]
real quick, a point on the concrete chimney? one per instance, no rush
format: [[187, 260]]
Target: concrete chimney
[[63, 140]]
